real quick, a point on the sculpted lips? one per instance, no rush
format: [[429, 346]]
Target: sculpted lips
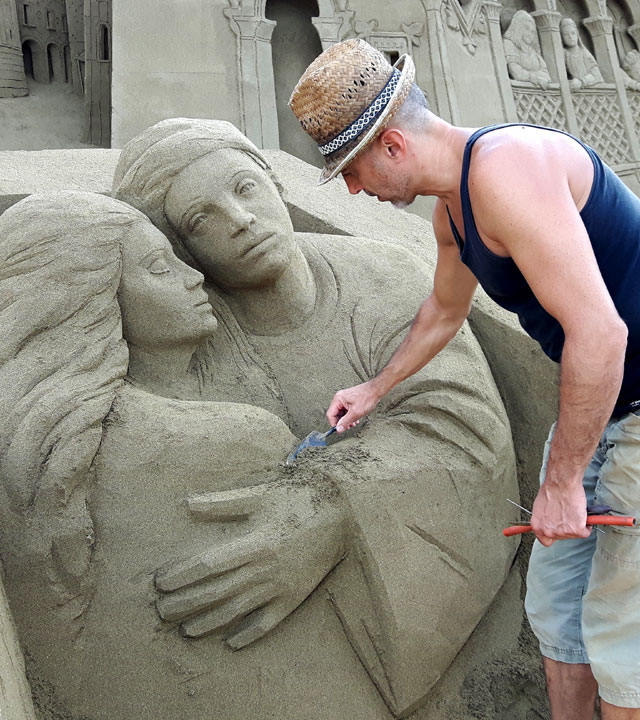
[[202, 300], [258, 240]]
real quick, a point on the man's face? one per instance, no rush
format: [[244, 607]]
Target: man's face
[[378, 176]]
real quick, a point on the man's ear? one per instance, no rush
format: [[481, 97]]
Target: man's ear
[[393, 143]]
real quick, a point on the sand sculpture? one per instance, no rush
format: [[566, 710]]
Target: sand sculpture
[[144, 520], [582, 68], [631, 70], [524, 61], [312, 311]]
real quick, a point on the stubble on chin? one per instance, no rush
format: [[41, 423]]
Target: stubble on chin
[[401, 204]]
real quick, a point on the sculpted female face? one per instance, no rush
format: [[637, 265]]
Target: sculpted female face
[[232, 220], [161, 299], [569, 33], [529, 31]]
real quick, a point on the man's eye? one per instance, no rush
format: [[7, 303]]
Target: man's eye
[[197, 220], [159, 267], [246, 186]]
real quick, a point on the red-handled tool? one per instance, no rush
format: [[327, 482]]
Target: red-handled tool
[[620, 520]]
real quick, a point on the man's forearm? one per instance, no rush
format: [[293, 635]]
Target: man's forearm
[[590, 381], [591, 374], [431, 330]]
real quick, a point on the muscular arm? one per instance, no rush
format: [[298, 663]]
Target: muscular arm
[[437, 321], [534, 218]]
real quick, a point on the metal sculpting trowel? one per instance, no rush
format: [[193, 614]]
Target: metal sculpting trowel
[[313, 439]]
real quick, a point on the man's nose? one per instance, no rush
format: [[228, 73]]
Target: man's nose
[[353, 185]]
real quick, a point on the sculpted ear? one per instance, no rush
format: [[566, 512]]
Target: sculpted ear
[[394, 143]]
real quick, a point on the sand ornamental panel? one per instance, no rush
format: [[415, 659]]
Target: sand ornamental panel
[[557, 81], [149, 526]]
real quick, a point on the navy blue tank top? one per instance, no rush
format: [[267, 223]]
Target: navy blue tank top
[[612, 219]]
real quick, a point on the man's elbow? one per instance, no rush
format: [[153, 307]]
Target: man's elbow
[[603, 337], [619, 335], [612, 339]]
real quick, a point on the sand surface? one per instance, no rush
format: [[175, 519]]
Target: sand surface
[[50, 117]]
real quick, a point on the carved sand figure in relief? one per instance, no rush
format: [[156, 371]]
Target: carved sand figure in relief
[[424, 480], [98, 458], [631, 70], [582, 68], [524, 62]]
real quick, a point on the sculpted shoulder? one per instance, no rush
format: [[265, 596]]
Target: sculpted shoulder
[[148, 429], [384, 270]]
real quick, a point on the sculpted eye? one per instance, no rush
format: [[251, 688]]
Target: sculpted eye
[[246, 186], [197, 220], [159, 266]]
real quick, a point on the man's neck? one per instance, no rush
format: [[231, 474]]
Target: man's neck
[[438, 155]]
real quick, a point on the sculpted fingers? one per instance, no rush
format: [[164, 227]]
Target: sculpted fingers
[[195, 599], [259, 624], [227, 505], [230, 613], [206, 565]]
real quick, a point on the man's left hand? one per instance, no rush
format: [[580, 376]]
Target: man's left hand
[[560, 512]]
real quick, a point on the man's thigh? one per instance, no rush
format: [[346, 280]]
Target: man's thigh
[[557, 581], [611, 614]]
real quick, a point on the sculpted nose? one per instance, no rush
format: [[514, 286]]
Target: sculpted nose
[[239, 217], [192, 278]]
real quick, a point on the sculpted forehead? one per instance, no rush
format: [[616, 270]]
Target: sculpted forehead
[[143, 238], [208, 176]]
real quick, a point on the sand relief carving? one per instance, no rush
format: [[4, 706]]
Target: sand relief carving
[[524, 61], [110, 469], [138, 508], [310, 307], [582, 67], [631, 70]]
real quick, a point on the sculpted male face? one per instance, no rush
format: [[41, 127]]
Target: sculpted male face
[[161, 298], [232, 220]]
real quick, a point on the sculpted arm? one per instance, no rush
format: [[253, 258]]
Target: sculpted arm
[[533, 215], [437, 321]]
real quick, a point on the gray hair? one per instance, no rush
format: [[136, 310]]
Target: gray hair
[[414, 113]]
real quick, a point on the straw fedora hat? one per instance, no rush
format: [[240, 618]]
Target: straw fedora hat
[[346, 97]]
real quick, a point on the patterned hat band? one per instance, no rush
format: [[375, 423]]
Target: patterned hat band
[[368, 117]]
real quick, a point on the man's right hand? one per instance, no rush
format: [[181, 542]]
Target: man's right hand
[[348, 406]]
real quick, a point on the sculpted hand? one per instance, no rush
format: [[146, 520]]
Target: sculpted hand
[[245, 588], [560, 512], [348, 406]]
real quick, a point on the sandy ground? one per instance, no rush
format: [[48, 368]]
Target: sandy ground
[[50, 117]]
